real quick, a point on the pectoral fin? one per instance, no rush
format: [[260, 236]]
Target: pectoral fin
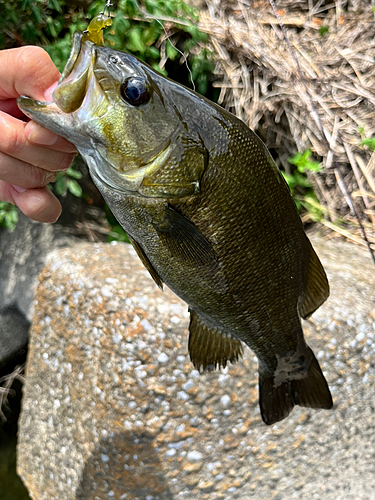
[[146, 262], [210, 348], [185, 241]]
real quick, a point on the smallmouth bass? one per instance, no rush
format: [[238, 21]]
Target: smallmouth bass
[[207, 211]]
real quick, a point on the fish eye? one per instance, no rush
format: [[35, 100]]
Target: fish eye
[[135, 91]]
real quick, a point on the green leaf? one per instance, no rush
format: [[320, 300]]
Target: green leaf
[[60, 184], [52, 27], [171, 51], [73, 174], [118, 234], [37, 12], [54, 4], [369, 142], [136, 43], [303, 162], [74, 188], [8, 215], [152, 52]]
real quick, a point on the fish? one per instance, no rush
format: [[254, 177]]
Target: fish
[[207, 211]]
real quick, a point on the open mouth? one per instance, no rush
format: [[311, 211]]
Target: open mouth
[[71, 89], [72, 85]]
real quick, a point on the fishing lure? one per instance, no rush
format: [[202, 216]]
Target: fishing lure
[[94, 32]]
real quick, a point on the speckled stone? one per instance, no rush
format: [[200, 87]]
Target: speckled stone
[[113, 408]]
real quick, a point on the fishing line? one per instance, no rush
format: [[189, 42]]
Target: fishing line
[[107, 6], [150, 16], [338, 170]]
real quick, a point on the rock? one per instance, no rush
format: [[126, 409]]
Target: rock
[[194, 456], [22, 256], [14, 333], [103, 406]]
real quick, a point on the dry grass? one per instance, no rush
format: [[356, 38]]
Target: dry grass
[[259, 81], [6, 390]]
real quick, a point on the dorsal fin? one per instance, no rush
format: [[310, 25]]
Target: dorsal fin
[[210, 348], [141, 254], [317, 287]]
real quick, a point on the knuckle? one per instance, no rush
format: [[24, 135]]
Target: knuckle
[[38, 177]]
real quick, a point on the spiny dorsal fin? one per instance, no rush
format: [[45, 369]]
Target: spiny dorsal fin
[[146, 262], [317, 287], [185, 240], [209, 348]]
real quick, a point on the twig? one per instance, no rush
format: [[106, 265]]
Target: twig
[[357, 175], [6, 390]]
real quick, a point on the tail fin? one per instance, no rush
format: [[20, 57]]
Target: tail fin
[[310, 389]]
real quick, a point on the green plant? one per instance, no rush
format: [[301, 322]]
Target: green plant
[[66, 181], [300, 186], [8, 215], [156, 31], [30, 22], [367, 141]]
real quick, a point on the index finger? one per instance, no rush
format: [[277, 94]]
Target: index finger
[[26, 71]]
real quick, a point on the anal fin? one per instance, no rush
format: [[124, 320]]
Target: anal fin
[[278, 395], [145, 261], [210, 348]]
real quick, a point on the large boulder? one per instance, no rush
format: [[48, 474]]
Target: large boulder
[[114, 409]]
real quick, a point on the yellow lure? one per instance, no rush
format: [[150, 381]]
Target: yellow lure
[[94, 32]]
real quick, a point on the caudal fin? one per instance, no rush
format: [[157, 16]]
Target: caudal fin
[[276, 400]]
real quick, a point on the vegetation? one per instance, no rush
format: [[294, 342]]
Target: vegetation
[[8, 215], [367, 141], [301, 187], [163, 33]]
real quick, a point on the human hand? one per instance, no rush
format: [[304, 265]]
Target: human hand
[[30, 155]]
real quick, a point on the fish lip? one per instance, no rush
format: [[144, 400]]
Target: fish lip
[[73, 56], [28, 105], [71, 89]]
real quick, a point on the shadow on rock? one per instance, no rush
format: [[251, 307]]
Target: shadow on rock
[[125, 467], [14, 334]]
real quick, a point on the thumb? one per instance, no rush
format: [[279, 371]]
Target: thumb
[[26, 71]]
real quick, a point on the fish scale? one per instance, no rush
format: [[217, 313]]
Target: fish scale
[[207, 211]]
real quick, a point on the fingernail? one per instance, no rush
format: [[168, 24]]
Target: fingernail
[[18, 188], [38, 135], [48, 93]]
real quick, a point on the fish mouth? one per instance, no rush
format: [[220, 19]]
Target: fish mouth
[[71, 88], [72, 85], [78, 103]]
